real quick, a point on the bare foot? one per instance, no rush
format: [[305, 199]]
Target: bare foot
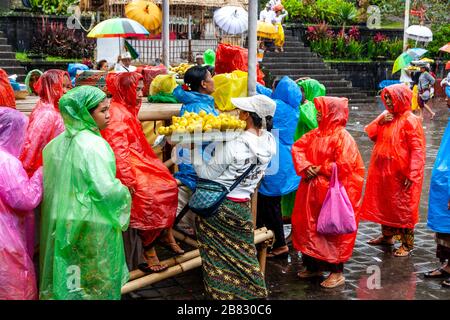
[[168, 240], [153, 263], [305, 274], [281, 252], [382, 240]]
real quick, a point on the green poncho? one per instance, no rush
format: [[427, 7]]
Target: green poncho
[[28, 79], [307, 121], [85, 208]]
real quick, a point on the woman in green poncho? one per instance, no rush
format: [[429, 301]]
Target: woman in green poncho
[[31, 79], [311, 89], [85, 208]]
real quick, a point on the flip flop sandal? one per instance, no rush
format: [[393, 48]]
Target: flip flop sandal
[[443, 274], [144, 267], [446, 283], [335, 284], [402, 252]]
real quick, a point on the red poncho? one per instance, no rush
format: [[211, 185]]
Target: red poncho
[[399, 153], [155, 201], [328, 143], [7, 97], [45, 120]]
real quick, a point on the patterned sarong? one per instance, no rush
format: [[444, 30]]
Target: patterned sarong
[[230, 267]]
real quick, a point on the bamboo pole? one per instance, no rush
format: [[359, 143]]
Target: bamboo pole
[[262, 256], [261, 236], [135, 274], [179, 236]]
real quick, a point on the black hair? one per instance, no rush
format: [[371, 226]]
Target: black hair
[[303, 94], [275, 83], [101, 63], [210, 69], [257, 121], [194, 76]]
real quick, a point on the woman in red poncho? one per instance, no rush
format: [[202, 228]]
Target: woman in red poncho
[[313, 156], [394, 183], [154, 190], [45, 120], [7, 97]]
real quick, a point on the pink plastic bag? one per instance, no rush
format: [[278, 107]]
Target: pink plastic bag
[[336, 216]]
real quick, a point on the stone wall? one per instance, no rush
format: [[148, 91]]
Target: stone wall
[[20, 28]]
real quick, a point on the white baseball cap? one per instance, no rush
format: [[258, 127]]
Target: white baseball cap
[[260, 104], [126, 55]]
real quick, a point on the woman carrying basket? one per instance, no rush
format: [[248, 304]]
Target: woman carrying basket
[[226, 239]]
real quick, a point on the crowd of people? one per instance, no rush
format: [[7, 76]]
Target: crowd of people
[[83, 192]]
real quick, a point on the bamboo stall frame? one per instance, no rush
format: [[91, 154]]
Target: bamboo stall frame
[[181, 267]]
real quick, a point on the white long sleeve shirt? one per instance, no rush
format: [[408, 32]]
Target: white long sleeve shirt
[[233, 158], [267, 16]]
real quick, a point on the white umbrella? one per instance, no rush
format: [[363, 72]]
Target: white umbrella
[[232, 20], [419, 33]]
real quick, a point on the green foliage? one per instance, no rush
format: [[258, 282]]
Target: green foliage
[[336, 12], [52, 6], [441, 36], [355, 49]]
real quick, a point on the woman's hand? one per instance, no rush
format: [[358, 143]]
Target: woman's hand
[[312, 172], [388, 117]]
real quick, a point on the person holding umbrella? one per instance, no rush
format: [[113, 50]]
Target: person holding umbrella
[[124, 64]]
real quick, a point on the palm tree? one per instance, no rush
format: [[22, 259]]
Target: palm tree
[[347, 14]]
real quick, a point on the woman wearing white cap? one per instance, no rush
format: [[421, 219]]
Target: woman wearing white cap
[[230, 266]]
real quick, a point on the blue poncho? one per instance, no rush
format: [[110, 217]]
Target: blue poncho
[[438, 213], [281, 178]]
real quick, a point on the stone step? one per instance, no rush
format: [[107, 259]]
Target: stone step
[[307, 72], [7, 55], [3, 41], [300, 55], [320, 78], [336, 84], [306, 64], [5, 48], [13, 70], [285, 54], [9, 62], [286, 71]]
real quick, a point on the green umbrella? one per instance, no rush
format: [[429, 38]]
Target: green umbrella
[[401, 62]]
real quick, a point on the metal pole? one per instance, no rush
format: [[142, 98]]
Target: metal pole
[[406, 24], [252, 50], [165, 33], [190, 38]]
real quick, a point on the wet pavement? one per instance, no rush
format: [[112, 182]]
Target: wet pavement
[[372, 272]]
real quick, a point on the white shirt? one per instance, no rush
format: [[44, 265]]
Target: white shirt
[[267, 16], [233, 158], [121, 68], [279, 19]]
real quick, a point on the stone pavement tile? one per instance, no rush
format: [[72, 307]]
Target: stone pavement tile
[[149, 293], [172, 291]]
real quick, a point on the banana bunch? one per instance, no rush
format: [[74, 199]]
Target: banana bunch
[[192, 122], [181, 69]]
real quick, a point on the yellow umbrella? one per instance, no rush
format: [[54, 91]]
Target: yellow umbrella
[[266, 30], [146, 13]]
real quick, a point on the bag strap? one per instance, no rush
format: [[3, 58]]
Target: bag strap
[[334, 174], [242, 177]]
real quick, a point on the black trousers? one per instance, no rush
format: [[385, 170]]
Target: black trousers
[[315, 265], [269, 216]]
